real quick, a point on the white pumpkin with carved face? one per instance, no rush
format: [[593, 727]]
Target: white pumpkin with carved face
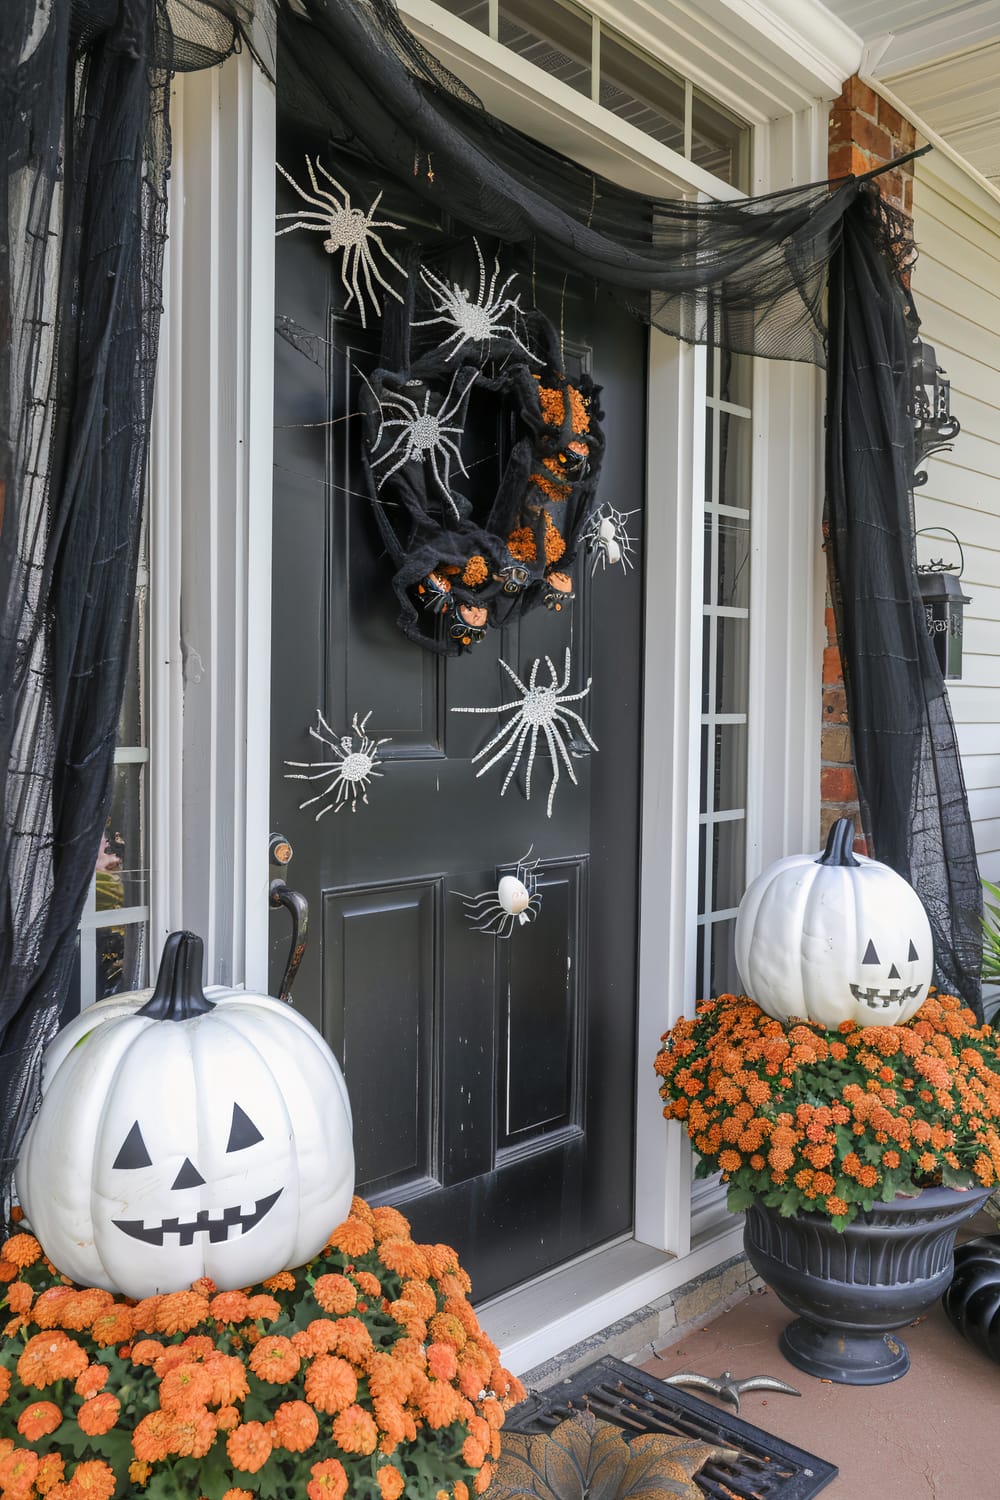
[[834, 938], [186, 1135]]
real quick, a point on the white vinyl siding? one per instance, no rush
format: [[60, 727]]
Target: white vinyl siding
[[956, 283]]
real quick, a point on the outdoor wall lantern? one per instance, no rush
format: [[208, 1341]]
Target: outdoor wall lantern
[[933, 424], [944, 604]]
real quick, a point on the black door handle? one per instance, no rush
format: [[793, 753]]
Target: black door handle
[[297, 907]]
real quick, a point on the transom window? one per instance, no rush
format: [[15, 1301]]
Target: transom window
[[567, 42]]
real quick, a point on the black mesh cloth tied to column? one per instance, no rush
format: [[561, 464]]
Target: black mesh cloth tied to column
[[468, 556]]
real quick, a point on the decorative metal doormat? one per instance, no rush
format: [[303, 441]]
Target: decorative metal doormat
[[766, 1469]]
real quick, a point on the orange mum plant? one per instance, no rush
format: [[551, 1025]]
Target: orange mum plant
[[830, 1122], [365, 1372]]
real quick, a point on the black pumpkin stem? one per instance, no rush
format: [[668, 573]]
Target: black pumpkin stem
[[178, 995], [840, 844]]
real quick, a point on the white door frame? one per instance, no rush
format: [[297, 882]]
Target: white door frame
[[211, 483]]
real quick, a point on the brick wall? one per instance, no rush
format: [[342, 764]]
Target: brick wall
[[865, 132]]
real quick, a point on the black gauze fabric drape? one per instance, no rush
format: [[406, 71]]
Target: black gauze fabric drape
[[908, 765], [83, 129]]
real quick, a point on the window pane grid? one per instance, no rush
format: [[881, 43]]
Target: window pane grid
[[725, 680]]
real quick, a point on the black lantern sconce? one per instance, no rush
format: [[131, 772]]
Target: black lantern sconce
[[944, 604], [933, 424]]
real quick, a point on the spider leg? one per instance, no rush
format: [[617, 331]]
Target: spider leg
[[522, 737], [501, 708], [561, 743], [567, 713], [401, 437], [327, 771], [322, 198], [514, 678], [565, 682], [311, 801], [534, 673], [531, 761], [575, 697], [300, 224], [555, 771], [463, 339], [377, 240], [449, 446], [509, 732], [482, 270], [367, 266], [407, 455], [331, 179]]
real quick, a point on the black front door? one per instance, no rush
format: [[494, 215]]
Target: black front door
[[492, 1080]]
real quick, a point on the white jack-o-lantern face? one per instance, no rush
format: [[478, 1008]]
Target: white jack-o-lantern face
[[219, 1225], [186, 1136], [838, 938]]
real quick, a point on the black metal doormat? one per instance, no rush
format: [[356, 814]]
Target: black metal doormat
[[766, 1469]]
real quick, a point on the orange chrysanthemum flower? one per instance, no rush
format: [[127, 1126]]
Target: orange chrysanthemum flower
[[296, 1426], [48, 1357], [179, 1312], [112, 1326], [367, 1283], [229, 1307], [390, 1482], [238, 1495], [185, 1386], [331, 1384], [22, 1249], [249, 1447], [404, 1257], [152, 1437], [263, 1308], [38, 1420], [440, 1404], [328, 1482], [335, 1294], [50, 1472], [146, 1351], [49, 1306], [354, 1431], [229, 1379], [19, 1297], [284, 1281], [441, 1361], [353, 1339], [194, 1432], [353, 1238], [99, 1414], [144, 1315], [483, 1479], [92, 1480], [274, 1359], [226, 1418], [139, 1471]]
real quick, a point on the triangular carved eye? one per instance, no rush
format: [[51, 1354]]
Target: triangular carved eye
[[913, 955], [871, 957], [243, 1132], [133, 1152]]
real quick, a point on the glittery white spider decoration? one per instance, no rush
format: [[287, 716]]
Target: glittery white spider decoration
[[348, 774], [608, 539], [476, 321], [348, 229], [539, 710], [516, 898], [422, 434]]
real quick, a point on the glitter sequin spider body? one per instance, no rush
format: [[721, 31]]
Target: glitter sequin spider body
[[539, 711], [348, 229], [348, 774], [422, 434], [607, 538], [478, 321], [515, 898]]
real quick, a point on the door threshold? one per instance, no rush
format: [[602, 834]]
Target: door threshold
[[538, 1321]]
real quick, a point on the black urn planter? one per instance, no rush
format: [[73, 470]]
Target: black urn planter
[[972, 1302], [852, 1288]]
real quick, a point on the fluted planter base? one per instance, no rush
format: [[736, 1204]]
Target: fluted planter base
[[852, 1288]]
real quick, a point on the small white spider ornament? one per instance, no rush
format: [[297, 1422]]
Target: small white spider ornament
[[348, 774], [515, 898], [539, 710], [422, 434], [607, 537], [348, 229], [476, 321]]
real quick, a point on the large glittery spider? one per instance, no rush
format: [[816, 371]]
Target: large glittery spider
[[348, 774], [422, 434], [347, 229], [476, 321], [540, 710]]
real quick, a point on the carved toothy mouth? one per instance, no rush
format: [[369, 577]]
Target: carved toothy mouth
[[875, 998], [217, 1229]]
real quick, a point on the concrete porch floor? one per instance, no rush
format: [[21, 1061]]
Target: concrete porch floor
[[933, 1435]]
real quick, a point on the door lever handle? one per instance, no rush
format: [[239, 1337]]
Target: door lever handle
[[298, 909]]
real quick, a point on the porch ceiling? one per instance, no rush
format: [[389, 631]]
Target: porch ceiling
[[941, 58]]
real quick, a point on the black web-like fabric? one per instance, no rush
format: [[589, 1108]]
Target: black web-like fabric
[[82, 213]]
